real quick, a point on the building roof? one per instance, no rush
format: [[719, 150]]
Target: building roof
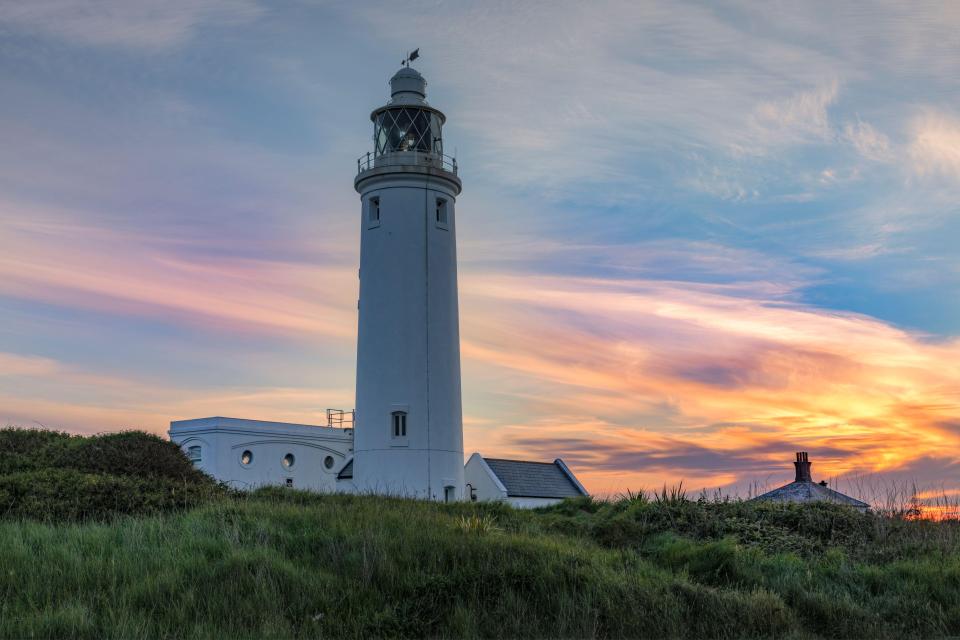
[[803, 489], [526, 479], [259, 427], [806, 491]]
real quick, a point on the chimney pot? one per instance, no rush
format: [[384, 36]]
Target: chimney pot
[[803, 467]]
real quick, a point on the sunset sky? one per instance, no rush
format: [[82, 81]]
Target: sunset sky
[[693, 237]]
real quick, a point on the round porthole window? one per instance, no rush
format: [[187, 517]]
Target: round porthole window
[[246, 458], [328, 462], [288, 460]]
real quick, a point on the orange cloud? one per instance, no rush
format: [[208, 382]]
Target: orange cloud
[[635, 381], [648, 380]]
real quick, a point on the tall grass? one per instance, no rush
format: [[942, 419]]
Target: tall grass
[[293, 565], [281, 563], [96, 547]]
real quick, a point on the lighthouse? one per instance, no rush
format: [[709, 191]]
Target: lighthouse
[[408, 436]]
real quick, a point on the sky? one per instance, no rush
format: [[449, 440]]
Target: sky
[[693, 239]]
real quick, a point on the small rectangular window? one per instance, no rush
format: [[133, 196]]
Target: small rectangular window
[[373, 210], [289, 482], [399, 424], [441, 211], [195, 454]]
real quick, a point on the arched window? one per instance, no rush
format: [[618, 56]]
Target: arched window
[[195, 454], [399, 424]]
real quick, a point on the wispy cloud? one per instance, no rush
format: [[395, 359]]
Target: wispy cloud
[[12, 364], [867, 140], [935, 145], [98, 269], [135, 24], [798, 119]]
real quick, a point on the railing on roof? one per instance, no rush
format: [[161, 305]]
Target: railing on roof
[[340, 419], [436, 160]]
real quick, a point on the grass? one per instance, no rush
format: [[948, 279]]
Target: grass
[[280, 563]]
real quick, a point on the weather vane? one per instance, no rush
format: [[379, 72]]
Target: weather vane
[[413, 55]]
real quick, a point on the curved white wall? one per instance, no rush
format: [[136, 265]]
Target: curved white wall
[[222, 442]]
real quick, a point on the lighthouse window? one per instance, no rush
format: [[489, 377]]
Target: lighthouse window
[[405, 129], [373, 214], [194, 453], [399, 424], [441, 211]]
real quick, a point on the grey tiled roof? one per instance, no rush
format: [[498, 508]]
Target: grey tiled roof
[[533, 479], [347, 472], [810, 492]]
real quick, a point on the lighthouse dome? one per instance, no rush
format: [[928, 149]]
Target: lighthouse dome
[[407, 85]]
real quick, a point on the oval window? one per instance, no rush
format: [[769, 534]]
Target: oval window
[[288, 460], [328, 462], [246, 458]]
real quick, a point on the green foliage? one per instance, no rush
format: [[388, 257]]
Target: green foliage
[[807, 530], [128, 453], [297, 565], [197, 561], [284, 563], [46, 475], [67, 495], [477, 524]]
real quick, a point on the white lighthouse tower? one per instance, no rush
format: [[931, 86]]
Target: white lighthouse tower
[[408, 438]]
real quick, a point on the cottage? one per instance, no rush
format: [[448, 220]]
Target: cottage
[[804, 490], [521, 483]]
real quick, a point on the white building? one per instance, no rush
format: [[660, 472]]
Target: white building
[[251, 453], [521, 483], [407, 436]]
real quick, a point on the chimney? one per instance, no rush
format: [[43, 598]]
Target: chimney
[[803, 467]]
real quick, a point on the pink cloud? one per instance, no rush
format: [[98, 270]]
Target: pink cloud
[[639, 381]]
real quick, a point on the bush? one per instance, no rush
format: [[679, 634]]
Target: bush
[[129, 453], [47, 475], [808, 530], [70, 495], [25, 449]]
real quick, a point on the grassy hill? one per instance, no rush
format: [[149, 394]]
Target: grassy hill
[[192, 559]]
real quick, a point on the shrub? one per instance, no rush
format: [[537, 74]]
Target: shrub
[[25, 449], [70, 495], [47, 475], [129, 453]]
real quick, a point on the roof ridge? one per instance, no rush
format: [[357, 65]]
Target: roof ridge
[[523, 461]]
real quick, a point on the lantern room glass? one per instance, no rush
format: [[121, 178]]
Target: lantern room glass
[[407, 129]]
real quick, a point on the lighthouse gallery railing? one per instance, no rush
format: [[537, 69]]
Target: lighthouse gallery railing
[[436, 160]]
